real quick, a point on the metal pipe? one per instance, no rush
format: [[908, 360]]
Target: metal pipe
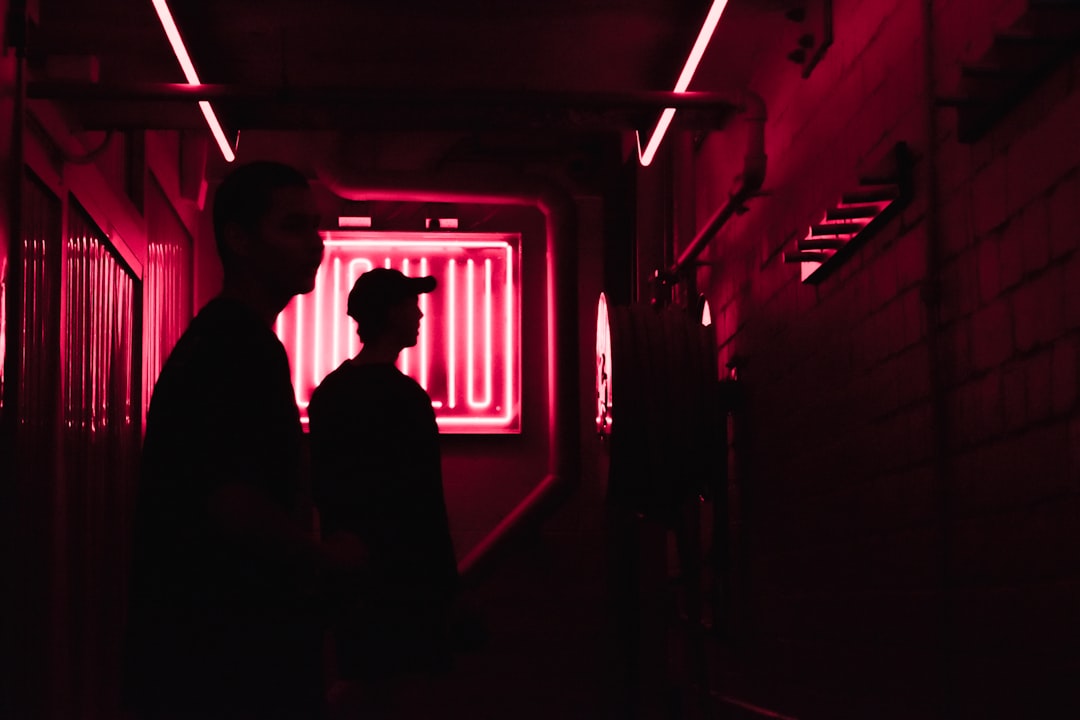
[[748, 182], [182, 92], [937, 352]]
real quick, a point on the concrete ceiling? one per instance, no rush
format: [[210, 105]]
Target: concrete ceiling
[[519, 77]]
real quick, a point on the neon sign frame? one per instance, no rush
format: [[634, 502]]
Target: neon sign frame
[[467, 354]]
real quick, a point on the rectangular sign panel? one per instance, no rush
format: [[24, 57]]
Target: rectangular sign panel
[[467, 354]]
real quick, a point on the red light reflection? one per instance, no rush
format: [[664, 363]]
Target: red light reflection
[[3, 325], [466, 354]]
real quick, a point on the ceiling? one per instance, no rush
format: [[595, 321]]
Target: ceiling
[[501, 77]]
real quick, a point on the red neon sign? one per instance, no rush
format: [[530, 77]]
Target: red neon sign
[[466, 356]]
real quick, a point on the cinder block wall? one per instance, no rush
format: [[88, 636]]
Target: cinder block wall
[[909, 489]]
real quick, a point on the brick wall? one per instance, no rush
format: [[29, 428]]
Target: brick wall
[[912, 513]]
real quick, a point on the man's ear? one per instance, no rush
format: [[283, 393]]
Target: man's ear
[[237, 240]]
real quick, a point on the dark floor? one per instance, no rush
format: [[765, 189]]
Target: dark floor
[[583, 624], [555, 648]]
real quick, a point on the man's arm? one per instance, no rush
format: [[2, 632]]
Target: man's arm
[[246, 515]]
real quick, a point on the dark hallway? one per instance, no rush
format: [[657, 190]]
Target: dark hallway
[[754, 363]]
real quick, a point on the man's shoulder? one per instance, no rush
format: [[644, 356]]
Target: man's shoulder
[[221, 355], [218, 330], [335, 377], [355, 387], [224, 322], [332, 386]]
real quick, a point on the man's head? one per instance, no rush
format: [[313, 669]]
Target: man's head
[[266, 226], [383, 302]]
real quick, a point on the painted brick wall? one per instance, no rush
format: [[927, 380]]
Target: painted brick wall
[[912, 515]]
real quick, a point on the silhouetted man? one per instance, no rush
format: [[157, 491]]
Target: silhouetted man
[[223, 622], [378, 474]]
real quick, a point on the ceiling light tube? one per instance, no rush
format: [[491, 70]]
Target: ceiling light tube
[[192, 77], [711, 20]]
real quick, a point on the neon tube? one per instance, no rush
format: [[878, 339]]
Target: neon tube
[[508, 332], [336, 337], [488, 349], [470, 332], [405, 355], [180, 51], [354, 340], [299, 338], [707, 28], [487, 353], [423, 339], [451, 337], [317, 350], [217, 131]]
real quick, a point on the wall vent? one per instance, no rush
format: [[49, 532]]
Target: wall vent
[[858, 214]]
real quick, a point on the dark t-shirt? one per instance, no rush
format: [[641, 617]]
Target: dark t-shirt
[[377, 472], [215, 620]]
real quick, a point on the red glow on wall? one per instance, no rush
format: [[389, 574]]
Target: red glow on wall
[[466, 356], [3, 326]]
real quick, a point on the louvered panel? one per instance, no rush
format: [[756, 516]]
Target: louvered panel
[[37, 317], [99, 437], [167, 286]]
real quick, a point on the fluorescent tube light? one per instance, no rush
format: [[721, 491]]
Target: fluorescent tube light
[[192, 77], [687, 74]]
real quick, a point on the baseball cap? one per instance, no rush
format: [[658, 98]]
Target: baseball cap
[[383, 287]]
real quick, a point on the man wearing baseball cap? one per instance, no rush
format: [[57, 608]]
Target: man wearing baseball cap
[[377, 473]]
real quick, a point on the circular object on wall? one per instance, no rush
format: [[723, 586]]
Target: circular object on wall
[[703, 311], [663, 438], [603, 368]]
